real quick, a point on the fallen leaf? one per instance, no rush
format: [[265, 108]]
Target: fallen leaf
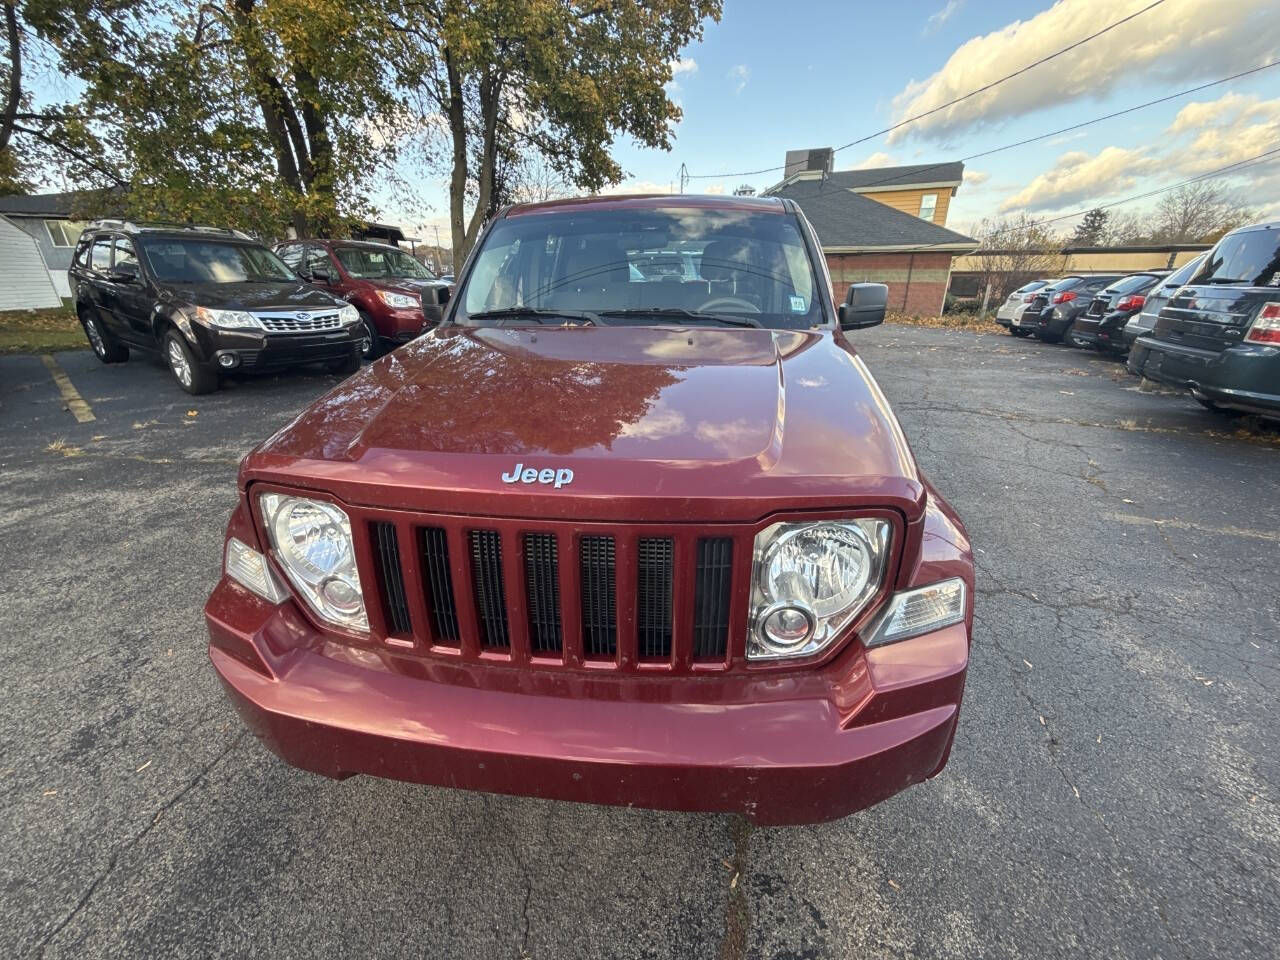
[[1127, 500], [51, 793], [192, 413], [1042, 723], [1027, 662], [894, 885], [733, 884], [1077, 791], [143, 767], [1099, 738], [727, 864]]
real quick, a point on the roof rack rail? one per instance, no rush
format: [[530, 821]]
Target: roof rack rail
[[139, 226]]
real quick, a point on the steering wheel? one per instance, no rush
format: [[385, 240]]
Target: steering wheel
[[719, 303]]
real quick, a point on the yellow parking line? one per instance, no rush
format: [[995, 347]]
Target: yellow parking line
[[1196, 527], [70, 395]]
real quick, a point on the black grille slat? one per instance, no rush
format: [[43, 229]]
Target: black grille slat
[[439, 582], [653, 597], [490, 590], [395, 604], [598, 567], [542, 582], [711, 598]]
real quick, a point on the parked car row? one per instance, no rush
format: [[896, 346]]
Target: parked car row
[[1211, 327], [210, 300]]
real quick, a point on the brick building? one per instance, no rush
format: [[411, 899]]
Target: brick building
[[884, 224]]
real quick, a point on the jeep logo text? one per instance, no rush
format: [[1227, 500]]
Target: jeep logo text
[[522, 474]]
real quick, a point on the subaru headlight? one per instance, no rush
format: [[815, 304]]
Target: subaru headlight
[[348, 315], [227, 319], [809, 580], [401, 301], [312, 541]]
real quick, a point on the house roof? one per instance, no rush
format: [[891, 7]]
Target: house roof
[[846, 219], [57, 205], [891, 178]]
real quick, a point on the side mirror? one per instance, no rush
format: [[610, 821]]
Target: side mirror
[[864, 306], [123, 273]]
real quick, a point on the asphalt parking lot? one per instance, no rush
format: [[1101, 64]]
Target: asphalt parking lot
[[1112, 791]]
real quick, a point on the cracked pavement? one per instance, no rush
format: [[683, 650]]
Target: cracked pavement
[[1112, 791]]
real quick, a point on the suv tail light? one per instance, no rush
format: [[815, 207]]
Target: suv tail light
[[1066, 296], [1131, 302], [1266, 327], [1028, 298]]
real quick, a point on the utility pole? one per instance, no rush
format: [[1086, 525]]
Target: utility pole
[[684, 176]]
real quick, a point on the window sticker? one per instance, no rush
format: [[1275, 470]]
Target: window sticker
[[797, 305]]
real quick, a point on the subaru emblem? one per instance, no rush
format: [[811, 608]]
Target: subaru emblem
[[304, 316]]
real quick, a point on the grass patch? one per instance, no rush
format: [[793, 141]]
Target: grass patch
[[41, 331], [948, 321]]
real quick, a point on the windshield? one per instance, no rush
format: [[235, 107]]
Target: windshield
[[210, 261], [370, 263], [664, 265], [1251, 258]]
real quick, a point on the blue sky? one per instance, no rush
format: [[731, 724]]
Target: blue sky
[[814, 73], [826, 73]]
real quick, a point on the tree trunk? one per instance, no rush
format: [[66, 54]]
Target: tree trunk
[[14, 98], [490, 91], [458, 176]]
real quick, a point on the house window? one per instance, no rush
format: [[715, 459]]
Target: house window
[[64, 233], [928, 203]]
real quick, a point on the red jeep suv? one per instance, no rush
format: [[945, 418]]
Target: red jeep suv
[[398, 298], [610, 536]]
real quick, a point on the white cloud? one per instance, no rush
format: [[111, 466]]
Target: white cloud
[[877, 159], [740, 75], [1181, 41], [639, 186], [975, 178], [715, 188], [1079, 177], [683, 66], [939, 19], [1203, 136]]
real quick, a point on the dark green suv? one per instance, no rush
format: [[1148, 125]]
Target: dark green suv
[[1219, 336]]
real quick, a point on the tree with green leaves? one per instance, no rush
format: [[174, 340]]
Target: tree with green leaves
[[260, 113], [557, 78], [1092, 230]]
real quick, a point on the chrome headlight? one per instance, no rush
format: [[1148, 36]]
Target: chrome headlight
[[312, 541], [809, 580], [401, 301], [348, 315], [227, 319]]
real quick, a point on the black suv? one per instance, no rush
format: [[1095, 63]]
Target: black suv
[[1219, 334], [1101, 323], [1053, 312], [207, 300]]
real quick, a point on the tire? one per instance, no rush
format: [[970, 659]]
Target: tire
[[192, 376], [1019, 332], [105, 347], [370, 342], [346, 366]]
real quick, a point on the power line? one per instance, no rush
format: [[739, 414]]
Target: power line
[[1220, 171], [949, 103], [917, 171], [1208, 175]]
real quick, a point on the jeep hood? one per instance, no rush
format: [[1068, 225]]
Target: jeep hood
[[675, 413]]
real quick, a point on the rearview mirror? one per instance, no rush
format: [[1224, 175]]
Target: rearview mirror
[[864, 306]]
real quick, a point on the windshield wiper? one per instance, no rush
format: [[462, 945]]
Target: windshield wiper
[[678, 314], [540, 314]]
